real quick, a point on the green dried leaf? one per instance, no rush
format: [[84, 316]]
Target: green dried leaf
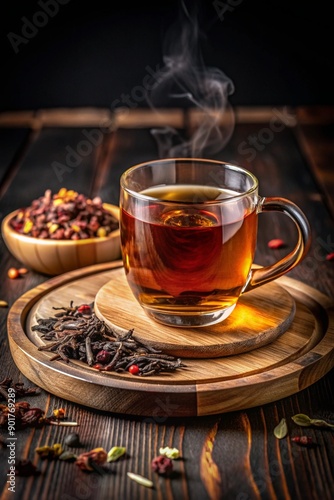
[[281, 430], [140, 480], [115, 453], [301, 419]]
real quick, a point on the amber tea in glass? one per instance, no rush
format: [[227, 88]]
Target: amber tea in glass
[[188, 235]]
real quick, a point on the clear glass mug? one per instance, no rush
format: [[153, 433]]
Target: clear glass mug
[[188, 238]]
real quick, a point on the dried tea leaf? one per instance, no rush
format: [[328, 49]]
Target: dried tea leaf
[[281, 430], [140, 480]]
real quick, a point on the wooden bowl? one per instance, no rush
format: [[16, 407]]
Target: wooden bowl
[[54, 257]]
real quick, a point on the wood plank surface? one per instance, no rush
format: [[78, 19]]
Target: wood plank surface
[[228, 455], [316, 143]]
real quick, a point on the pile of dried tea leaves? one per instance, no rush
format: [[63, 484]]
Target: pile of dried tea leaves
[[76, 333]]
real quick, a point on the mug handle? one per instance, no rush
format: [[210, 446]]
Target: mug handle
[[258, 277]]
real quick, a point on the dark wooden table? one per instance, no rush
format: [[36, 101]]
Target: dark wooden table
[[229, 456]]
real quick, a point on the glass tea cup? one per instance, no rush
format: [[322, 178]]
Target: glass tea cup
[[188, 238]]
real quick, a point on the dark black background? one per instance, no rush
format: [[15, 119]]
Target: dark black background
[[90, 53]]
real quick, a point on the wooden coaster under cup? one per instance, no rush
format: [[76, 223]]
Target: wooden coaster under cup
[[258, 319]]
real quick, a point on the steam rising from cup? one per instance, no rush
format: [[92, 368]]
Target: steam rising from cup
[[185, 82]]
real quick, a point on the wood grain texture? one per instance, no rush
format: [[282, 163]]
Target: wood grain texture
[[251, 463], [295, 360], [316, 143]]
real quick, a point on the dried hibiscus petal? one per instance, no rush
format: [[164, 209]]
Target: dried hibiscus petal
[[32, 417], [162, 465], [86, 461], [25, 468], [21, 390]]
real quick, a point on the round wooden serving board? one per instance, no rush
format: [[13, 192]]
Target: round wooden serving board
[[281, 336]]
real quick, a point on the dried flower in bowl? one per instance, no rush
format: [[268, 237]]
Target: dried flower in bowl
[[66, 215]]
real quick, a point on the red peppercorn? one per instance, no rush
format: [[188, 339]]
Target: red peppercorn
[[98, 366], [276, 243], [330, 256], [134, 369], [85, 309]]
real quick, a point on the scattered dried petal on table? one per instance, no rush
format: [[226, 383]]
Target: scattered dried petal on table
[[276, 243], [162, 465], [85, 461], [25, 468]]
